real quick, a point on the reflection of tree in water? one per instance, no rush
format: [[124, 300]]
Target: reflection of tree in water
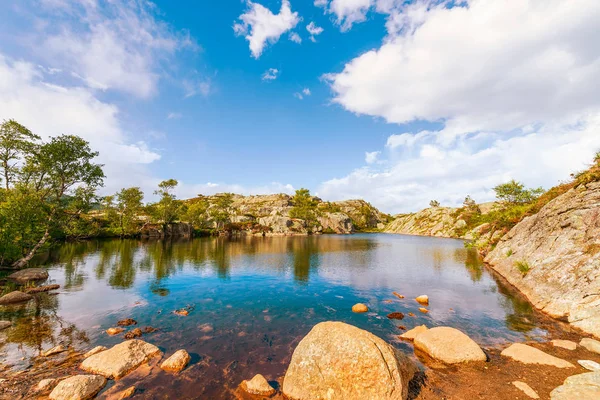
[[520, 314], [305, 255], [37, 325], [472, 260]]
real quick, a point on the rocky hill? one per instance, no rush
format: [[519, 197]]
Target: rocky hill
[[269, 215], [553, 257]]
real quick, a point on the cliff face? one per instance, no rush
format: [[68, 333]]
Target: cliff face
[[270, 215], [433, 221], [553, 257]]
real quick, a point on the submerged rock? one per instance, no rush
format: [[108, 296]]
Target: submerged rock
[[121, 359], [15, 297], [42, 289], [398, 295], [530, 355], [137, 332], [589, 365], [360, 308], [177, 362], [4, 325], [29, 274], [424, 299], [114, 331], [525, 388], [339, 361], [127, 393], [581, 387], [95, 350], [395, 315], [412, 334], [423, 310], [182, 312], [564, 344], [258, 386], [55, 350], [45, 385], [590, 344], [127, 322], [449, 345], [79, 387]]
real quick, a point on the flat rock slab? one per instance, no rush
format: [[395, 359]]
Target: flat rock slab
[[580, 387], [525, 388], [530, 355], [121, 359], [29, 274], [590, 344], [55, 350], [95, 350], [449, 345], [589, 365], [4, 325], [79, 387], [15, 297], [258, 386], [565, 344], [45, 385]]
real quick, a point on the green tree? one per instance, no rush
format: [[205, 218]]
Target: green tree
[[221, 209], [16, 143], [128, 207], [304, 207], [515, 193], [197, 212], [167, 208], [434, 203]]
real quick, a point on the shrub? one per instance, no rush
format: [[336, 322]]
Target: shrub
[[523, 267]]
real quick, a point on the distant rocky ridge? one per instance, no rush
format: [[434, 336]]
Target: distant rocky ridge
[[269, 215]]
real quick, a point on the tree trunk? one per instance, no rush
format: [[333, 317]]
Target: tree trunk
[[25, 260]]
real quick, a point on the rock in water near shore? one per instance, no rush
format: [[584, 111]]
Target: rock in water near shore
[[95, 350], [564, 344], [449, 345], [177, 362], [29, 274], [424, 300], [412, 334], [55, 350], [360, 308], [580, 387], [42, 289], [552, 257], [339, 361], [121, 359], [79, 387], [530, 355], [258, 386], [4, 325], [15, 297], [45, 385]]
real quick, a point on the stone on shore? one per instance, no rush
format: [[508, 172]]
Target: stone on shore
[[95, 350], [42, 289], [525, 388], [449, 345], [590, 344], [565, 344], [589, 365], [45, 385], [79, 387], [4, 325], [530, 355], [15, 297], [258, 386], [55, 350], [412, 334], [127, 393], [121, 359], [581, 387], [424, 299], [177, 362], [360, 308], [29, 274], [340, 361]]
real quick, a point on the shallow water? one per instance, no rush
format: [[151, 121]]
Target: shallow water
[[252, 299]]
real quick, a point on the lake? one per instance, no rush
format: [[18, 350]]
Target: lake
[[251, 300]]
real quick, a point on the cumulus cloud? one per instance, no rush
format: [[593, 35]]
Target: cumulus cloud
[[306, 91], [347, 12], [108, 45], [49, 109], [261, 27], [510, 104], [371, 157], [271, 74], [294, 37], [302, 94], [187, 190], [314, 31]]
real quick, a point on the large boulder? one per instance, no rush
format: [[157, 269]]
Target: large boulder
[[15, 297], [79, 387], [558, 253], [336, 222], [121, 359], [339, 361], [581, 387], [530, 355], [28, 275], [449, 345]]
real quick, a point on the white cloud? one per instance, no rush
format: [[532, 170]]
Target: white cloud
[[192, 88], [186, 190], [174, 115], [372, 157], [261, 27], [513, 84], [301, 95], [271, 74], [306, 91], [50, 110], [294, 37], [298, 95], [314, 30], [108, 45], [347, 12]]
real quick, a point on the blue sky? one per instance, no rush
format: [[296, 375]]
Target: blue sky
[[395, 102]]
